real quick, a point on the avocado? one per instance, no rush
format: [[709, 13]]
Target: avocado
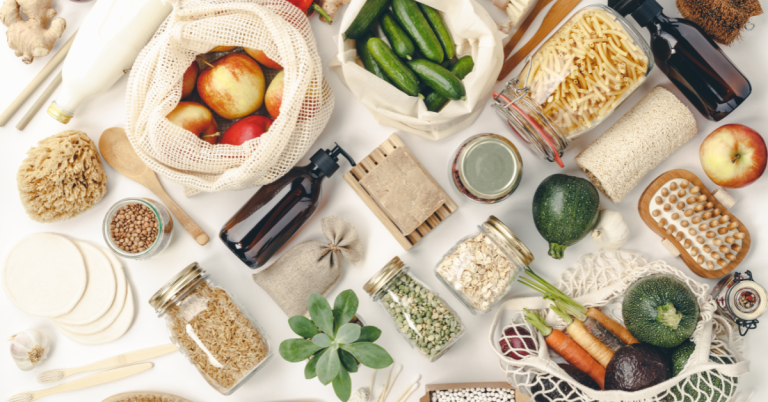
[[580, 376], [549, 388], [637, 366]]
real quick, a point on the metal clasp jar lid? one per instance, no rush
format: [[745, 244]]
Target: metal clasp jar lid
[[381, 278], [177, 288], [507, 239]]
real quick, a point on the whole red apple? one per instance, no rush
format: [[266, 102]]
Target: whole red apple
[[274, 96], [189, 80], [246, 129], [196, 118], [733, 156], [262, 58], [233, 86]]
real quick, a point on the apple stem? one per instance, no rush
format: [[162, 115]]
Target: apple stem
[[206, 63], [211, 135], [735, 158]]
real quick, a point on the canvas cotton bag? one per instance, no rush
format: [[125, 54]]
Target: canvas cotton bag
[[154, 88], [474, 33], [600, 280]]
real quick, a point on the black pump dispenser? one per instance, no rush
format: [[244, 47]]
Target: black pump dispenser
[[279, 209], [647, 12]]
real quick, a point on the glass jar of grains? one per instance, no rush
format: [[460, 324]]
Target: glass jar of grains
[[426, 321], [574, 81], [137, 228], [481, 267], [217, 336]]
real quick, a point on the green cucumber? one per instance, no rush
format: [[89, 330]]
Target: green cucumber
[[439, 78], [415, 23], [446, 63], [367, 59], [401, 43], [399, 73], [438, 25], [370, 13], [434, 101]]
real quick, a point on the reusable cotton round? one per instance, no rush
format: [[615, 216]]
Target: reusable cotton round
[[45, 275], [113, 332], [99, 292]]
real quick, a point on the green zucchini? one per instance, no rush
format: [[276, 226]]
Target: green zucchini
[[401, 43], [399, 73], [370, 13], [415, 23], [434, 101], [711, 387], [438, 25], [565, 210], [660, 310], [367, 59], [439, 78]]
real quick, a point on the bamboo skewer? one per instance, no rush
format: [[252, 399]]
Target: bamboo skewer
[[39, 102], [36, 82]]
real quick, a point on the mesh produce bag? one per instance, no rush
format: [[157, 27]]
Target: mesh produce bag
[[154, 89], [600, 280]]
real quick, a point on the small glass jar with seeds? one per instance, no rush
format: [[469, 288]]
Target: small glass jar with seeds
[[426, 320], [211, 329], [481, 268], [137, 228]]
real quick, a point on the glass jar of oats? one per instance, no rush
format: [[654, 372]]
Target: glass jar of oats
[[574, 81], [214, 333], [480, 269]]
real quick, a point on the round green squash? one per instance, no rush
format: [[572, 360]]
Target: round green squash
[[709, 386], [660, 310], [565, 209]]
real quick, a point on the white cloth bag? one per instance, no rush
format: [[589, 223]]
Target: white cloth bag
[[474, 33], [600, 280]]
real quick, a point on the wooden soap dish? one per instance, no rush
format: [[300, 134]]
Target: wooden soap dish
[[379, 157], [430, 388], [694, 223]]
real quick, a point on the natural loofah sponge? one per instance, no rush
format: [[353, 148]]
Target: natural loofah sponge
[[723, 20], [61, 177]]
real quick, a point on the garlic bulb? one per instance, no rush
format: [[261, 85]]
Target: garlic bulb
[[28, 348], [611, 232]]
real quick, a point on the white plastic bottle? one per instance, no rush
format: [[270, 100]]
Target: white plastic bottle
[[107, 43]]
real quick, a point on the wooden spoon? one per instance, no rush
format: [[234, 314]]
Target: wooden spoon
[[556, 14], [118, 152], [523, 28]]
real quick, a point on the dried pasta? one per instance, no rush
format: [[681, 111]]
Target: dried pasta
[[585, 71]]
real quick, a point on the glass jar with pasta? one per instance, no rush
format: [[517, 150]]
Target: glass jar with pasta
[[576, 79]]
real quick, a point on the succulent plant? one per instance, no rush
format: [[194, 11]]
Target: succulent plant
[[334, 345]]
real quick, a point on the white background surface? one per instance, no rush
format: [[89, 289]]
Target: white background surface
[[353, 128]]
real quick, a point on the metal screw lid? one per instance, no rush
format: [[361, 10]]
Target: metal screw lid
[[382, 277], [499, 230], [188, 278], [58, 113]]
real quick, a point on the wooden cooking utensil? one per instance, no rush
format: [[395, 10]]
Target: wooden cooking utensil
[[108, 363], [118, 152], [523, 28], [556, 14], [85, 382]]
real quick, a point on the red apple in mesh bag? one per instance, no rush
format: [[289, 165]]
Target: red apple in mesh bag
[[196, 118], [222, 49], [274, 96], [262, 58], [246, 129], [733, 156], [233, 86], [189, 80]]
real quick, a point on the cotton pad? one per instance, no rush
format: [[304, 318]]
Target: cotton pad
[[99, 292]]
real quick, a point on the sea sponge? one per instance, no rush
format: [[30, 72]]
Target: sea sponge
[[61, 177]]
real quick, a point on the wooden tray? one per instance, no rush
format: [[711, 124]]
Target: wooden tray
[[378, 155], [644, 207], [430, 388]]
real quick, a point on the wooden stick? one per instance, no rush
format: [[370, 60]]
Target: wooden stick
[[373, 379], [391, 384], [407, 392], [39, 102], [386, 384], [36, 82]]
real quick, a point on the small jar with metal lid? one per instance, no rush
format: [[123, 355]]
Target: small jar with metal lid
[[116, 229], [486, 168], [198, 314], [481, 268], [575, 80], [426, 320], [741, 299]]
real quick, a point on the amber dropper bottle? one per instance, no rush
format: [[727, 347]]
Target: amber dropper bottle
[[279, 209]]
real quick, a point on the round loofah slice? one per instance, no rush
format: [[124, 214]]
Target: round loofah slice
[[61, 177], [99, 293], [145, 396]]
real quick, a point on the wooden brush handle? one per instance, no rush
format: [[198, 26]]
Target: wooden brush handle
[[189, 225], [41, 100], [93, 380], [124, 359]]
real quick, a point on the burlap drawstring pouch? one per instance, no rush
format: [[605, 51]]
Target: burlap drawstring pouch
[[311, 267], [723, 20]]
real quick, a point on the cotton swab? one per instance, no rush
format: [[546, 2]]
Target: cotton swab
[[392, 384], [407, 392]]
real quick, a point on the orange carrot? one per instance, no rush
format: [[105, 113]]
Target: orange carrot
[[579, 334], [568, 348], [611, 325]]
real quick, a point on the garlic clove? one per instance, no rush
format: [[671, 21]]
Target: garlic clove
[[29, 348], [611, 231]]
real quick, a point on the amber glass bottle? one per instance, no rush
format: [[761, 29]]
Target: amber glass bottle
[[279, 209]]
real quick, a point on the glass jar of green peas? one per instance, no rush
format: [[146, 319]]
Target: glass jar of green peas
[[426, 320]]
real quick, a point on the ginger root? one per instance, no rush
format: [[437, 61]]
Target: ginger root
[[33, 37]]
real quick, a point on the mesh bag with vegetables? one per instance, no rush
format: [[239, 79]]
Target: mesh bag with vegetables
[[617, 328]]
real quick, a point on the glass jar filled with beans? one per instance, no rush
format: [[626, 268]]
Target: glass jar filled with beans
[[426, 320], [138, 228]]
